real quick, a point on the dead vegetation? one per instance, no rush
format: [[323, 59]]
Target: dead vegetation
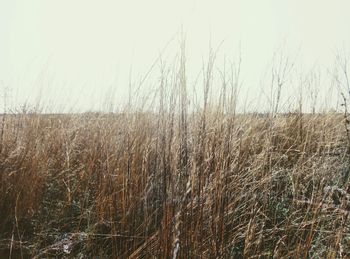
[[174, 182], [136, 186]]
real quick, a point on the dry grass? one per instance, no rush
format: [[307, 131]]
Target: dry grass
[[136, 185], [176, 182]]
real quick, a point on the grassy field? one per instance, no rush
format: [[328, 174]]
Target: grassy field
[[173, 180], [194, 185]]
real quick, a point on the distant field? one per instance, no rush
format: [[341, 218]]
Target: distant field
[[142, 185]]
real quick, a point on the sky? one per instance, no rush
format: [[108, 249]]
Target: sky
[[72, 54]]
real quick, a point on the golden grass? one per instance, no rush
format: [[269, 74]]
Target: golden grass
[[144, 185], [178, 181]]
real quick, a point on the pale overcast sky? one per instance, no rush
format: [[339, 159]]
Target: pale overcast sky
[[71, 52]]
